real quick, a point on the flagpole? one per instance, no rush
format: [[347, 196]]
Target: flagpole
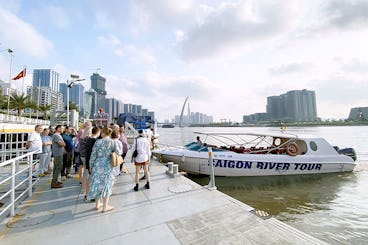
[[24, 67], [38, 96], [10, 70]]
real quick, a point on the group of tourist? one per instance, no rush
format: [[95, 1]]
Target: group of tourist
[[90, 150]]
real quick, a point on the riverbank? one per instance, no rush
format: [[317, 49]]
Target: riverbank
[[285, 125]]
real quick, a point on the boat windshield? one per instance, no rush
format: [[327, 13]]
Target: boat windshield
[[190, 144], [194, 146]]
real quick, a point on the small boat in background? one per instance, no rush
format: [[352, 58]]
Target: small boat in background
[[252, 154], [170, 125]]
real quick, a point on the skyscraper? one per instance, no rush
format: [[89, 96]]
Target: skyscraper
[[45, 89], [93, 100], [46, 78], [98, 84], [295, 105], [76, 95]]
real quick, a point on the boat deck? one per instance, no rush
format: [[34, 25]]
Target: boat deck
[[174, 211]]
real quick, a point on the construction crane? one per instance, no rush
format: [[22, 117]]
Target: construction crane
[[97, 70]]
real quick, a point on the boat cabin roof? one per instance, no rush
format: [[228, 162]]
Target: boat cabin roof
[[271, 134]]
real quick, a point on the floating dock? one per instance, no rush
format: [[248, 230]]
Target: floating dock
[[174, 211]]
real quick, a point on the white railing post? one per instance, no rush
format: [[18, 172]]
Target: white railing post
[[12, 194], [211, 185], [30, 165]]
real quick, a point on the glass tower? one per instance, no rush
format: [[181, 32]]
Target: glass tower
[[46, 78]]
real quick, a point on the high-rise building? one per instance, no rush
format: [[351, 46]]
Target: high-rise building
[[127, 108], [46, 96], [76, 95], [144, 112], [139, 110], [119, 107], [113, 107], [359, 114], [87, 105], [45, 89], [98, 84], [295, 105], [93, 95], [274, 107], [46, 78], [110, 108]]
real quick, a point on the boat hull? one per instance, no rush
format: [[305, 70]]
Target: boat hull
[[233, 164]]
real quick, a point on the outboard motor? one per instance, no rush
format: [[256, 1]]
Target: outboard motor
[[348, 152]]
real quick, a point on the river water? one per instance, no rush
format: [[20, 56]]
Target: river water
[[331, 207]]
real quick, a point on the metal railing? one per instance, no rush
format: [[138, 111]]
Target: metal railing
[[15, 180], [5, 118]]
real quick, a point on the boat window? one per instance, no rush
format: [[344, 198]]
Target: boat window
[[313, 145], [277, 141]]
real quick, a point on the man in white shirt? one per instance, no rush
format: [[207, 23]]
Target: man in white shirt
[[34, 142]]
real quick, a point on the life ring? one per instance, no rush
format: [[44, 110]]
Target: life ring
[[292, 149]]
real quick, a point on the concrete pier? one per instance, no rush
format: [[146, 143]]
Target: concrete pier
[[174, 211]]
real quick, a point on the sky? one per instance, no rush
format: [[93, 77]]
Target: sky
[[226, 56]]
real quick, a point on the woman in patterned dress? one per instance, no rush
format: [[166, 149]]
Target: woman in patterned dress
[[102, 174]]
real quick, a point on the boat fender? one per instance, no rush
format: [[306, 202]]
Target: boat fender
[[292, 149]]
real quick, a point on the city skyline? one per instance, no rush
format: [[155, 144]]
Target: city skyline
[[227, 56]]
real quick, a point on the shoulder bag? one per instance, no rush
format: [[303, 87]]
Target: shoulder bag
[[135, 152], [116, 160]]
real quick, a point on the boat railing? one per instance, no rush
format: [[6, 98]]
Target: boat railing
[[5, 118], [130, 130], [15, 181], [160, 145]]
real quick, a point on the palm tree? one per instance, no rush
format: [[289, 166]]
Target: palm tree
[[44, 109], [73, 106], [3, 100], [20, 102]]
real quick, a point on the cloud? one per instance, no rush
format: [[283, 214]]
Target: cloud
[[137, 17], [346, 90], [165, 12], [356, 66], [336, 16], [163, 93], [22, 36], [345, 13], [233, 26], [54, 15], [110, 40], [295, 67], [138, 56]]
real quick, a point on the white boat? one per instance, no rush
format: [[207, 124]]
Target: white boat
[[252, 154]]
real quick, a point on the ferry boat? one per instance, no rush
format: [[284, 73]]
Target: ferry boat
[[252, 154]]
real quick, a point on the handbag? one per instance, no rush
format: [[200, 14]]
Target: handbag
[[135, 152], [116, 160]]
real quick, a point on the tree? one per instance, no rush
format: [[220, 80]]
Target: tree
[[44, 109], [21, 102], [73, 106], [3, 100]]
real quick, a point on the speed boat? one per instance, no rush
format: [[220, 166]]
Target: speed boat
[[253, 154]]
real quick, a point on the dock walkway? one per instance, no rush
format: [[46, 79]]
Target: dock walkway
[[174, 211]]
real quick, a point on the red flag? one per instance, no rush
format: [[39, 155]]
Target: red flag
[[20, 75]]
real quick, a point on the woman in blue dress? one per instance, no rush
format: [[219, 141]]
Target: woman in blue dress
[[102, 174]]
